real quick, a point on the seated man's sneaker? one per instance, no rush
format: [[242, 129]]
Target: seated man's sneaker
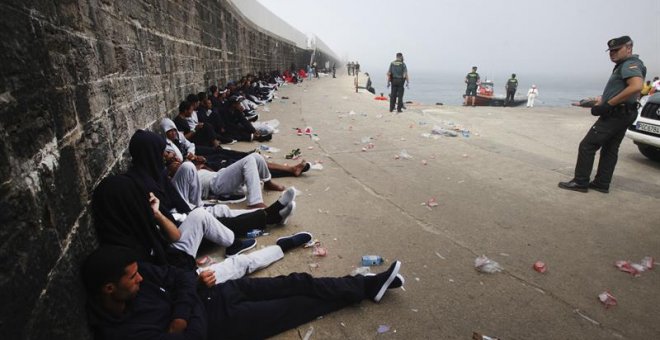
[[599, 187], [240, 246], [294, 241], [287, 196], [231, 198], [287, 212], [375, 286], [398, 281], [574, 186]]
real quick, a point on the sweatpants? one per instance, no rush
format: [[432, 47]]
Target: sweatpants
[[258, 308], [238, 266], [200, 224], [248, 171]]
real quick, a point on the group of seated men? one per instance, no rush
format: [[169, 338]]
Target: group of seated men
[[144, 282]]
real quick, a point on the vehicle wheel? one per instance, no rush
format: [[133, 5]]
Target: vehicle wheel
[[650, 152]]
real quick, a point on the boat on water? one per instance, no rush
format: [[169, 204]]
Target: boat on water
[[486, 96]]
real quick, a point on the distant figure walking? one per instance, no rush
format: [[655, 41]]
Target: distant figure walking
[[356, 67], [472, 80], [531, 95], [396, 75], [349, 67], [511, 87], [334, 70]]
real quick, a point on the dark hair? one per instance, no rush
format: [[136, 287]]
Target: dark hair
[[192, 98], [213, 88], [184, 106], [399, 54], [202, 96], [106, 264]]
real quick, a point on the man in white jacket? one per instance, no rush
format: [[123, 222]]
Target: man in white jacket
[[531, 95]]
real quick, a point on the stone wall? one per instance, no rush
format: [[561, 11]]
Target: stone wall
[[77, 78]]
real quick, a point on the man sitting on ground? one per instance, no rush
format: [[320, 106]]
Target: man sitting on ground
[[137, 300]]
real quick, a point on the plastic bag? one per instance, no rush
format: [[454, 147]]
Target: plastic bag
[[439, 130], [486, 265]]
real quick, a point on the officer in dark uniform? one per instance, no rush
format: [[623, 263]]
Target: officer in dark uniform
[[396, 75], [616, 111], [511, 87], [472, 80]]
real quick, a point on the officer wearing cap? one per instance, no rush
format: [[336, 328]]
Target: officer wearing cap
[[616, 111], [396, 75], [511, 87], [472, 80]]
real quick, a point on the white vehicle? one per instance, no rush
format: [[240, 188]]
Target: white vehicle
[[645, 131]]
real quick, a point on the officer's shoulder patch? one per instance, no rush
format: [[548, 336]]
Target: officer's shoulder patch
[[633, 66]]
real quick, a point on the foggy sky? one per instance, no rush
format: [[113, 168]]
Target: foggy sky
[[551, 37]]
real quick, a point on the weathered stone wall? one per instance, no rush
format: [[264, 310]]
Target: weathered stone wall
[[77, 78]]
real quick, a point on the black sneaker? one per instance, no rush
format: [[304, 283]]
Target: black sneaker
[[398, 281], [231, 198], [378, 284], [289, 242], [599, 187], [240, 246], [263, 138]]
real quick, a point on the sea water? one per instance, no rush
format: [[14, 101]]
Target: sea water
[[430, 88]]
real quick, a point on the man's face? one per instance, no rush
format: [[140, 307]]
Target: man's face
[[128, 285], [189, 111], [168, 156], [171, 134], [620, 53]]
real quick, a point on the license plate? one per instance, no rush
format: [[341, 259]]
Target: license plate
[[648, 128]]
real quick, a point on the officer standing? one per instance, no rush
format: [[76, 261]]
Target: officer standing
[[334, 70], [511, 87], [349, 67], [616, 111], [356, 68], [396, 75], [472, 80]]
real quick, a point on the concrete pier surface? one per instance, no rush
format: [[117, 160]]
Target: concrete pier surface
[[496, 194]]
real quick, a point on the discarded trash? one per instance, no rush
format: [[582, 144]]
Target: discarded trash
[[403, 139], [424, 162], [319, 251], [404, 155], [371, 260], [285, 97], [466, 133], [268, 149], [627, 267], [383, 329], [479, 336], [607, 299], [308, 130], [352, 113], [310, 148], [316, 166], [294, 154], [361, 271], [440, 256], [254, 233], [438, 130], [308, 334], [313, 265], [431, 202], [540, 267], [315, 137], [486, 265], [265, 109], [648, 262], [365, 140]]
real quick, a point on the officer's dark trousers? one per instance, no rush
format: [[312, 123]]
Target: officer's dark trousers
[[606, 134], [396, 96], [509, 96], [258, 308]]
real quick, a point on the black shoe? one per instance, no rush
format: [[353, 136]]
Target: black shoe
[[599, 187], [573, 185], [307, 166], [263, 138], [377, 285], [289, 242], [399, 111], [398, 281], [231, 198], [240, 246]]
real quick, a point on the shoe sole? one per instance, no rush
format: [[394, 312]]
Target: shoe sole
[[383, 288], [583, 190], [311, 237], [243, 250], [604, 191], [293, 209]]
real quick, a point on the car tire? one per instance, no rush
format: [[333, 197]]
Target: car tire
[[650, 152]]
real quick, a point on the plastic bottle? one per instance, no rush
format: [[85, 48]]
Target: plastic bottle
[[254, 233], [371, 260]]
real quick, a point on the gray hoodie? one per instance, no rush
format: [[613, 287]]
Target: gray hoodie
[[186, 146]]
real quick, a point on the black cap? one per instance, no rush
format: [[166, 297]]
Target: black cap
[[615, 43], [235, 99]]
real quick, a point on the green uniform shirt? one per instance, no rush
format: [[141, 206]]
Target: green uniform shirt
[[398, 70], [512, 84], [628, 68], [472, 79]]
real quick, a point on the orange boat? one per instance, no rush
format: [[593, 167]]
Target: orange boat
[[486, 96]]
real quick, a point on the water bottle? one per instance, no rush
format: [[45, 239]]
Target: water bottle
[[254, 233], [371, 260], [466, 133]]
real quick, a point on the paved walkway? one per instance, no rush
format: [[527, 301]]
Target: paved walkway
[[497, 195]]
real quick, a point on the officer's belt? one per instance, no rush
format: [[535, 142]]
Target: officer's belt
[[625, 107]]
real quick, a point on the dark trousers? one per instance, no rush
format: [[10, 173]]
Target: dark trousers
[[509, 96], [258, 308], [241, 224], [606, 134], [204, 136], [396, 95]]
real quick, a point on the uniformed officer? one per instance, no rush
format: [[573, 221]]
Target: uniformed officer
[[616, 111], [511, 87], [396, 75], [472, 80]]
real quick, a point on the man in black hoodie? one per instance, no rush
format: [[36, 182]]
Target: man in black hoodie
[[616, 111]]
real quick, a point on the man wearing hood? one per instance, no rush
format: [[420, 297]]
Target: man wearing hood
[[616, 110]]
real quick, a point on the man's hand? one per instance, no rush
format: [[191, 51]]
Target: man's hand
[[172, 168], [603, 110], [190, 156], [207, 278], [154, 202], [178, 326]]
